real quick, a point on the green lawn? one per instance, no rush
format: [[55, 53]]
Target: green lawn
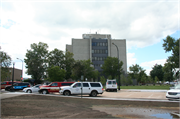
[[162, 87]]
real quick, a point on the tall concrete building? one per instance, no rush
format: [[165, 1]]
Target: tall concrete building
[[97, 47]]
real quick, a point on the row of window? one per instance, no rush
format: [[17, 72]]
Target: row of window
[[87, 85], [98, 58], [100, 51], [99, 44], [97, 65]]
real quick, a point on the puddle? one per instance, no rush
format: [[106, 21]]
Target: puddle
[[165, 116], [135, 112]]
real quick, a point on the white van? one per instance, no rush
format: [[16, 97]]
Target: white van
[[111, 85]]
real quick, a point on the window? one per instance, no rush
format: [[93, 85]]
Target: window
[[54, 84], [66, 84], [95, 58], [106, 51], [95, 85], [78, 84], [92, 51], [100, 51], [109, 82], [97, 44], [3, 83], [92, 58], [114, 82], [103, 44], [85, 85], [100, 44]]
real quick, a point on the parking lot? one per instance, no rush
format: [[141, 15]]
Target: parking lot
[[59, 106], [122, 94]]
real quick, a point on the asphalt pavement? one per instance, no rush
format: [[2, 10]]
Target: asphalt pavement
[[123, 94]]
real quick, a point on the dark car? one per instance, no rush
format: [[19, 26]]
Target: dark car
[[18, 86]]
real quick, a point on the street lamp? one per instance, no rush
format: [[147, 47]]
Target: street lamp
[[118, 66], [22, 69]]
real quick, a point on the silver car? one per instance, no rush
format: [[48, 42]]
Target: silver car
[[33, 89]]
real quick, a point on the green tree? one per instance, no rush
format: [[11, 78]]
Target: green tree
[[55, 73], [172, 45], [136, 72], [103, 80], [130, 81], [83, 68], [157, 70], [68, 63], [56, 58], [5, 60], [168, 72], [123, 80], [110, 67], [36, 60], [143, 79]]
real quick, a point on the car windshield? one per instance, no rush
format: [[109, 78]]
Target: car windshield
[[177, 86]]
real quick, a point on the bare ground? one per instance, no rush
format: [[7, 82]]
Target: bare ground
[[40, 106]]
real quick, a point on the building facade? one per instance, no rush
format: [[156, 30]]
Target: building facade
[[17, 75], [97, 47]]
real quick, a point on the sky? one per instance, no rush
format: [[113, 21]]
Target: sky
[[143, 23]]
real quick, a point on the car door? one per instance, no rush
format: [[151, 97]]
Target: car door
[[76, 89], [54, 87], [35, 88], [17, 86], [86, 88]]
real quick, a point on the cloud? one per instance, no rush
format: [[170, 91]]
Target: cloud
[[149, 65], [131, 60], [56, 23]]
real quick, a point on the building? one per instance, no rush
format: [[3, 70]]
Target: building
[[17, 75], [97, 47]]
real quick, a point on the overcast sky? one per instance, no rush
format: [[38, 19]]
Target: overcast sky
[[144, 25]]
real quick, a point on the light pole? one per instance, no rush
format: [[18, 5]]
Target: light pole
[[118, 66], [22, 69]]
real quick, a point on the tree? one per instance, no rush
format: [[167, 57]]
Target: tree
[[130, 81], [55, 73], [68, 64], [83, 68], [168, 72], [172, 45], [157, 70], [103, 80], [56, 58], [5, 63], [110, 67], [136, 72], [36, 60]]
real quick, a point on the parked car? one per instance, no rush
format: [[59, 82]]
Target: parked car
[[111, 85], [32, 89], [18, 86], [53, 87], [7, 83], [173, 93], [85, 88]]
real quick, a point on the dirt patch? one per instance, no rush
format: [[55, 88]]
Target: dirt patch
[[40, 106]]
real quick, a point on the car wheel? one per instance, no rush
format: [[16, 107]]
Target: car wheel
[[66, 93], [93, 93], [44, 92], [29, 91]]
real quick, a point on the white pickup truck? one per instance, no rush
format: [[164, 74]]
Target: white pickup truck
[[90, 88]]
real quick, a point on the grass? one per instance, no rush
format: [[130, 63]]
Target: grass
[[156, 87]]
